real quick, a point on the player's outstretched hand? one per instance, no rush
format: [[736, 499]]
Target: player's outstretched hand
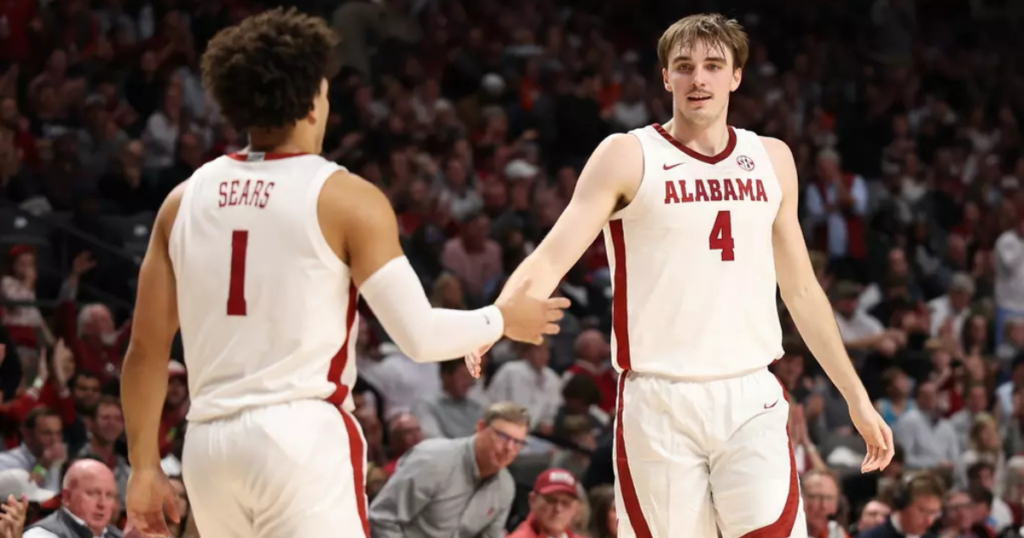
[[150, 497], [876, 434], [475, 359], [528, 319]]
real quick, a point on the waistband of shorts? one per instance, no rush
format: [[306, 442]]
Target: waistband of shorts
[[633, 374]]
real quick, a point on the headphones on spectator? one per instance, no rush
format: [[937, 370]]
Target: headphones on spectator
[[901, 498]]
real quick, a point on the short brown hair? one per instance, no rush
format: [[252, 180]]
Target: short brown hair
[[266, 71], [507, 411], [710, 29]]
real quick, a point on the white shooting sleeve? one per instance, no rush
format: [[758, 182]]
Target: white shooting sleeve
[[424, 333]]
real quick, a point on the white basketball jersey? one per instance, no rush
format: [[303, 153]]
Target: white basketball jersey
[[267, 310], [693, 271]]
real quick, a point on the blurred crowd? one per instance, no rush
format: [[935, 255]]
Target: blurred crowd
[[476, 117]]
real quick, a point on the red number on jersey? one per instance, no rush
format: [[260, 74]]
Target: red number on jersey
[[236, 287], [721, 236]]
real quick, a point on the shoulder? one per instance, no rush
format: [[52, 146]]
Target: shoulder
[[434, 448], [355, 196], [506, 486], [778, 151]]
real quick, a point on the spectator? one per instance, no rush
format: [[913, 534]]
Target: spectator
[[896, 402], [473, 257], [928, 438], [821, 503], [175, 406], [453, 413], [953, 307], [554, 503], [957, 516], [404, 432], [88, 499], [106, 429], [918, 504], [1009, 292], [604, 523], [593, 356], [975, 404], [85, 390], [42, 451], [530, 383], [454, 486], [875, 513]]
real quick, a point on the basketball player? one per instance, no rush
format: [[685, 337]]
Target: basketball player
[[700, 220], [259, 257]]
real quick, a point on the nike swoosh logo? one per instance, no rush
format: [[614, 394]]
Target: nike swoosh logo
[[667, 167], [487, 319], [766, 406]]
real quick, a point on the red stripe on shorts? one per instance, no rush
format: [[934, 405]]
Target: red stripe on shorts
[[784, 525], [620, 319], [626, 487], [357, 453], [356, 448]]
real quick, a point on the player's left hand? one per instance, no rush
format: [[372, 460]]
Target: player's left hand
[[150, 496], [876, 434]]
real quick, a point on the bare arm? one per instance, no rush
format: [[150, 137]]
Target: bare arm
[[144, 377], [613, 172], [800, 288]]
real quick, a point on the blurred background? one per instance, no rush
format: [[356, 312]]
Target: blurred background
[[476, 117]]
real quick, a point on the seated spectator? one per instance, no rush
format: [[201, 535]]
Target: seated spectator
[[957, 515], [927, 437], [446, 487], [453, 413], [593, 360], [604, 523], [983, 524], [530, 383], [821, 503], [984, 445], [88, 499], [576, 457], [404, 432], [554, 502], [897, 401], [918, 505], [42, 451], [107, 427], [875, 513], [953, 307], [976, 396]]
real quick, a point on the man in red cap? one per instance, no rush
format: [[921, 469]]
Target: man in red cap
[[554, 504]]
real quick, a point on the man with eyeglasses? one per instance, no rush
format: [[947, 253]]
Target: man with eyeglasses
[[821, 502], [455, 487], [554, 504]]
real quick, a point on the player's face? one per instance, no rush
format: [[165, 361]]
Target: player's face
[[321, 111], [701, 76]]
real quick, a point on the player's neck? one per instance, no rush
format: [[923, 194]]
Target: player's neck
[[704, 139], [290, 140]]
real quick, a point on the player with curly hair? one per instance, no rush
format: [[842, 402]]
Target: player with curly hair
[[259, 259]]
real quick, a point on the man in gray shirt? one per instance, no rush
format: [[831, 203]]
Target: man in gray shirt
[[454, 488]]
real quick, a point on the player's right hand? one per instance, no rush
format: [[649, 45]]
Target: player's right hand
[[150, 497], [528, 319], [475, 359], [876, 433]]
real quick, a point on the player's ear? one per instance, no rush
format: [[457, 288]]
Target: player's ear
[[737, 76], [664, 79]]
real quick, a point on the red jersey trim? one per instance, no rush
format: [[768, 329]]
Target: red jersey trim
[[715, 159]]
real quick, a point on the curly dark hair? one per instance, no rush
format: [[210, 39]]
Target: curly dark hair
[[266, 71]]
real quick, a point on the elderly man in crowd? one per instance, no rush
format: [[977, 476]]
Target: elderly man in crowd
[[554, 504], [454, 487], [88, 501]]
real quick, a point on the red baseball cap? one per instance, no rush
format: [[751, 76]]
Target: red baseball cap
[[556, 481]]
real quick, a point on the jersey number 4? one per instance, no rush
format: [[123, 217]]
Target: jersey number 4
[[236, 285], [721, 236]]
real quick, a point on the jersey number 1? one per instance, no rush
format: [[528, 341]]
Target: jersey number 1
[[236, 286], [721, 236]]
